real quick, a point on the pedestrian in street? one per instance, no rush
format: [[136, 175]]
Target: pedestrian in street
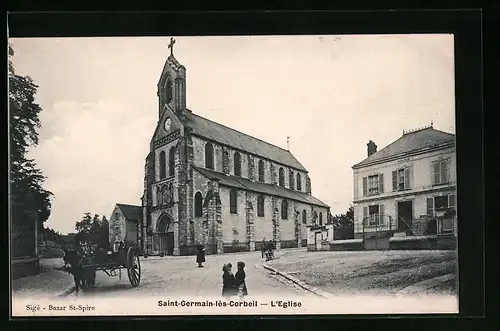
[[263, 247], [240, 280], [200, 257], [228, 282]]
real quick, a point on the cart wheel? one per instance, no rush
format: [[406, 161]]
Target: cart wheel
[[133, 267]]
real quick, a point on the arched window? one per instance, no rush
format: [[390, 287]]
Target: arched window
[[282, 177], [163, 165], [290, 180], [171, 162], [261, 171], [260, 206], [237, 164], [284, 209], [304, 217], [315, 217], [299, 182], [320, 218], [168, 87], [233, 202], [209, 156], [117, 216], [198, 205]]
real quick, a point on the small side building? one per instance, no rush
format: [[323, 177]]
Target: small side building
[[125, 223]]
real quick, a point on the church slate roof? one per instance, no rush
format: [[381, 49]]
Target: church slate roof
[[246, 184], [131, 212], [230, 137], [427, 138]]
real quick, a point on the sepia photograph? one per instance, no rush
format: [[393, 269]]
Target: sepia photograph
[[221, 175]]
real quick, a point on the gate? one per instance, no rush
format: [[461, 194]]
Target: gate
[[376, 236]]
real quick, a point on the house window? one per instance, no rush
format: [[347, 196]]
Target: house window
[[209, 156], [320, 218], [237, 164], [290, 180], [163, 165], [284, 209], [198, 205], [440, 172], [299, 182], [261, 171], [401, 179], [304, 217], [260, 206], [233, 202], [282, 177], [373, 215], [440, 203], [373, 185], [171, 162]]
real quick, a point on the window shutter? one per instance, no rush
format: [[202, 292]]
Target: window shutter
[[365, 215], [430, 206], [381, 183], [435, 173], [364, 186], [451, 201], [394, 180], [381, 214], [445, 171], [407, 178]]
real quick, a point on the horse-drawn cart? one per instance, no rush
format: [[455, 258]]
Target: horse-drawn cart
[[88, 258]]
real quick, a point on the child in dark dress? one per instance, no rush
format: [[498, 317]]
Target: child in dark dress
[[240, 280], [228, 282]]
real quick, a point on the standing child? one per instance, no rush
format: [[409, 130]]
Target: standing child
[[240, 280], [228, 282]]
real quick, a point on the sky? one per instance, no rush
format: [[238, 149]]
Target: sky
[[329, 94]]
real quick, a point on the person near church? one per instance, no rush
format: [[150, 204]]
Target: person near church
[[228, 282], [263, 247], [200, 257], [240, 280]]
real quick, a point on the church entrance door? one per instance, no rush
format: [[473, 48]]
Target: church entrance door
[[166, 235]]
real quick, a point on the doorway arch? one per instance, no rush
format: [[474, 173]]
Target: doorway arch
[[165, 231]]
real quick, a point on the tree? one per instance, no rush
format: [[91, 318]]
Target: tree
[[94, 230], [29, 201]]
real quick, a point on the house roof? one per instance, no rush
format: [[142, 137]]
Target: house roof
[[246, 184], [427, 138], [230, 137], [130, 212]]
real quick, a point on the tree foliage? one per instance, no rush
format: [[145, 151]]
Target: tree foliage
[[29, 200], [343, 220], [93, 229]]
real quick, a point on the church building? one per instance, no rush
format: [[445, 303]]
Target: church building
[[208, 184]]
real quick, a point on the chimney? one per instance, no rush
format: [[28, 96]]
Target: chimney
[[372, 148]]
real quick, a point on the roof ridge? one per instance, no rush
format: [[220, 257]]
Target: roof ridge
[[129, 205], [246, 134]]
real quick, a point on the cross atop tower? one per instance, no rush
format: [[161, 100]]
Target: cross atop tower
[[171, 46]]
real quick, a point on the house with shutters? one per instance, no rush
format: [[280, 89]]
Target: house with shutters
[[407, 188]]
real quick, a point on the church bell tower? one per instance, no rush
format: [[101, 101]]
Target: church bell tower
[[172, 85]]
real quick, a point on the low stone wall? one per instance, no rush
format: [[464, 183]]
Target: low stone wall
[[235, 247], [289, 244], [25, 267], [423, 242], [347, 245]]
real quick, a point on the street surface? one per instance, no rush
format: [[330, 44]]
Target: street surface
[[180, 276]]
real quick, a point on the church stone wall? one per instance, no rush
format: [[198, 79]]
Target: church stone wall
[[200, 184], [233, 225], [166, 149], [264, 225]]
